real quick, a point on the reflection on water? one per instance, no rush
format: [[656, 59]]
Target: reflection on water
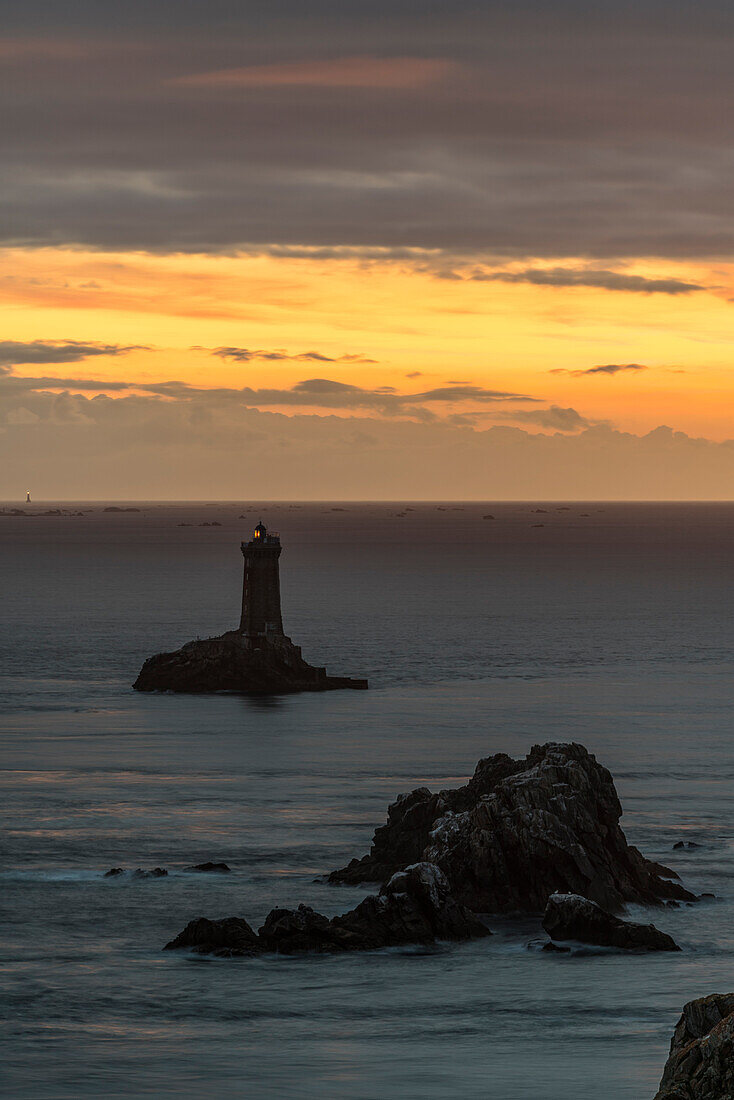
[[478, 638]]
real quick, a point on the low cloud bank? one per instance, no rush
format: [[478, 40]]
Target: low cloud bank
[[71, 446]]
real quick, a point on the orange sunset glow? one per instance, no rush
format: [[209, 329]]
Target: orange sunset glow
[[375, 323], [444, 237]]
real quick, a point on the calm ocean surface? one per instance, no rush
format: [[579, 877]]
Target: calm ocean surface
[[612, 625]]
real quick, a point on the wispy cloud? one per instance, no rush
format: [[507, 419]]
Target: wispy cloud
[[17, 352], [247, 355], [339, 72], [605, 368], [584, 277]]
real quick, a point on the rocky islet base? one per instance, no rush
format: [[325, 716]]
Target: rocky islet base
[[231, 662]]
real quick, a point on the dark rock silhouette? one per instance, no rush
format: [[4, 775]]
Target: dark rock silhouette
[[414, 907], [700, 1065], [519, 831], [210, 868], [257, 658], [156, 872], [570, 917], [229, 663], [228, 937]]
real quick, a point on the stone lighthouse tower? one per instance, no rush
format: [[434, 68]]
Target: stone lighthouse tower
[[261, 615]]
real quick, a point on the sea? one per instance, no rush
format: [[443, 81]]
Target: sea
[[483, 628]]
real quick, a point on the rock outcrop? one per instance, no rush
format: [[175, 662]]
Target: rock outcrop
[[700, 1065], [414, 907], [229, 663], [210, 868], [139, 872], [570, 917], [519, 831]]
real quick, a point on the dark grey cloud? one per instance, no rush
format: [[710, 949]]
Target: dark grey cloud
[[13, 384], [565, 129], [588, 277], [605, 368], [247, 355], [331, 394], [17, 352], [323, 393]]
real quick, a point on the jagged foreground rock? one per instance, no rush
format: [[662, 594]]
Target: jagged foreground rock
[[519, 831], [414, 907], [701, 1061], [570, 917], [229, 663]]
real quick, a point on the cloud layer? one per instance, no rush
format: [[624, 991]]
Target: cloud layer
[[68, 446], [318, 393], [497, 130]]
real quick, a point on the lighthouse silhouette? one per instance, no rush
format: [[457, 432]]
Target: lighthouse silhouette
[[261, 614], [256, 658]]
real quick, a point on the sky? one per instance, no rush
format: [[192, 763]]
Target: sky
[[367, 250]]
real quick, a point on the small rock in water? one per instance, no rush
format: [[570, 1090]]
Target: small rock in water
[[571, 917], [156, 872], [551, 946], [227, 938], [677, 845], [212, 868]]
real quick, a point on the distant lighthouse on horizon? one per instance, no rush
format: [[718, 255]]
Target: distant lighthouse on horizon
[[28, 497]]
